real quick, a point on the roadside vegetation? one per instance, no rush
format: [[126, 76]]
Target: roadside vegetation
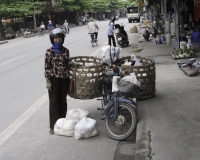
[[35, 9]]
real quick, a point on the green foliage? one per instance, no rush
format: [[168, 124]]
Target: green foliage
[[13, 8], [101, 5], [19, 8], [133, 2], [9, 31]]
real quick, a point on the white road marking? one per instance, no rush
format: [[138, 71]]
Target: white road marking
[[11, 60], [21, 119]]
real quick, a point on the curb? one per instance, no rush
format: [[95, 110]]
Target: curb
[[31, 35], [143, 140], [3, 42], [143, 133]]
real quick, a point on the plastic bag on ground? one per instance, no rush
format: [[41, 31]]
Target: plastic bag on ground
[[85, 128], [77, 114], [64, 127]]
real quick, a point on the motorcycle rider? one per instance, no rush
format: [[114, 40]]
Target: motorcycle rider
[[50, 25], [57, 64], [110, 32], [42, 28], [66, 26]]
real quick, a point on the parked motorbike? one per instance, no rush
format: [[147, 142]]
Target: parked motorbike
[[118, 110], [121, 35]]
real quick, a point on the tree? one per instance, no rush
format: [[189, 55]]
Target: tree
[[20, 8]]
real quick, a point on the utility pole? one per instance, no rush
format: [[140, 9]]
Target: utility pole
[[34, 19]]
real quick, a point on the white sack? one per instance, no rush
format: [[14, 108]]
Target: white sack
[[64, 127], [77, 114], [132, 79], [134, 58], [128, 63], [105, 53], [85, 128]]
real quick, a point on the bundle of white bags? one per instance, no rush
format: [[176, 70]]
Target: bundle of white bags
[[132, 79], [76, 124], [133, 58], [106, 51]]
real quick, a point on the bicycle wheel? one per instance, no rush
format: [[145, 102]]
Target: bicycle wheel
[[92, 43], [125, 123]]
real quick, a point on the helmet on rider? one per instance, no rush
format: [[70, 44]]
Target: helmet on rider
[[57, 32], [113, 19]]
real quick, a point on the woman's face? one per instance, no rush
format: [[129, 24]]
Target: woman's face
[[57, 39]]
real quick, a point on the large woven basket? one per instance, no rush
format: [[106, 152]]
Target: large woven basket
[[145, 74], [87, 77]]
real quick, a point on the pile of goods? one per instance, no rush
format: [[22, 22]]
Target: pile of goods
[[144, 69], [183, 52], [191, 68], [77, 123]]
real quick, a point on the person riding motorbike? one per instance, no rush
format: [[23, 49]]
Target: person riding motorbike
[[42, 29], [50, 26]]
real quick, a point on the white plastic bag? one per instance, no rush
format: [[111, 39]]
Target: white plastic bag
[[64, 127], [135, 81], [137, 62], [85, 128], [105, 53], [128, 63], [129, 86], [132, 79], [77, 114]]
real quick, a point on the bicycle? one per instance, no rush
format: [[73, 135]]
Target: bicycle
[[119, 111], [93, 39], [42, 31]]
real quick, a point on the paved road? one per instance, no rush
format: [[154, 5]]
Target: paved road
[[24, 103]]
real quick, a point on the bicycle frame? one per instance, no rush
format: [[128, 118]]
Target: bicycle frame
[[114, 101], [92, 36]]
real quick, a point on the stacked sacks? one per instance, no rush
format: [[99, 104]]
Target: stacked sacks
[[76, 124], [85, 128]]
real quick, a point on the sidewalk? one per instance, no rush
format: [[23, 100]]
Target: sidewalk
[[168, 124]]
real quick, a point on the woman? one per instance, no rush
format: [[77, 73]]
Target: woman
[[57, 64], [110, 32]]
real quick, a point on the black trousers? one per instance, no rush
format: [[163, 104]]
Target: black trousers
[[113, 40], [58, 99], [96, 34]]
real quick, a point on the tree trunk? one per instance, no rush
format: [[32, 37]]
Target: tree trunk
[[180, 20], [156, 7], [1, 29]]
